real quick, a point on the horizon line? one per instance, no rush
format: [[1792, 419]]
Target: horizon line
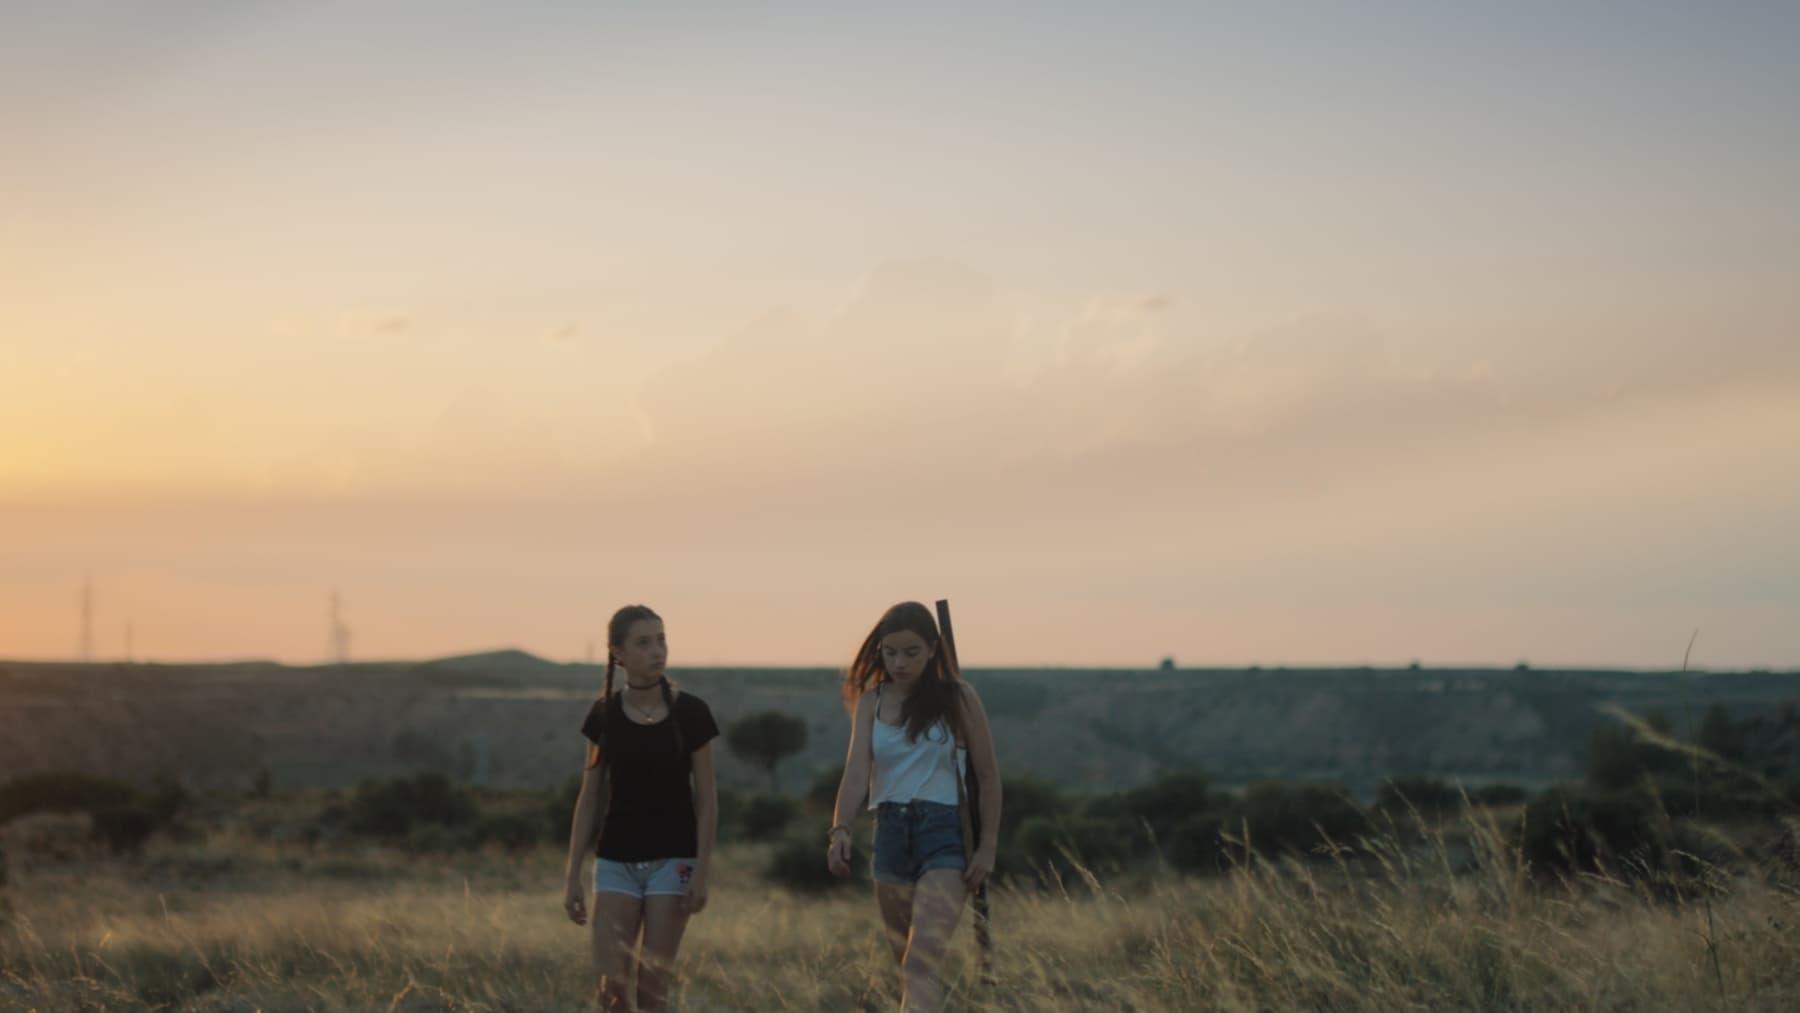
[[1355, 666]]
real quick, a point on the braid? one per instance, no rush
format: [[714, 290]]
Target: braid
[[669, 702], [611, 703], [597, 751], [597, 754], [616, 630]]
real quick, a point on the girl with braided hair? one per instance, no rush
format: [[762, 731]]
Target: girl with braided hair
[[649, 809]]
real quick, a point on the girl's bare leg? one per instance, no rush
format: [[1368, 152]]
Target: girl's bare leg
[[937, 904], [896, 904], [665, 919], [617, 918]]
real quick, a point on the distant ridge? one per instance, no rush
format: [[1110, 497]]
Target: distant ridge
[[505, 658], [1087, 730]]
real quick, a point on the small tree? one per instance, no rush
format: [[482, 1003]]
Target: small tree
[[765, 739]]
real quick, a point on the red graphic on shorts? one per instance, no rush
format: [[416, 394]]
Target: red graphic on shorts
[[683, 872]]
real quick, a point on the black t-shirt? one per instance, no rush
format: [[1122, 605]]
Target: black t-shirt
[[651, 814]]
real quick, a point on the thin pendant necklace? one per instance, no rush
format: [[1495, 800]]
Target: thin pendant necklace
[[648, 716]]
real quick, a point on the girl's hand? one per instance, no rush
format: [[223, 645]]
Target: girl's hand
[[694, 901], [575, 902], [981, 865], [837, 855]]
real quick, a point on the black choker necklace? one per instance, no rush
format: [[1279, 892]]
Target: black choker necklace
[[647, 685]]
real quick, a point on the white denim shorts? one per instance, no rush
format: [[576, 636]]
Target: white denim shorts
[[661, 877]]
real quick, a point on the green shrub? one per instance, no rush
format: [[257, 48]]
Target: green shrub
[[1165, 804], [53, 839], [1296, 818], [1496, 795], [1430, 798], [1196, 845], [821, 796], [61, 792], [333, 820], [1582, 829], [1620, 756], [731, 813], [512, 831], [391, 809], [435, 838], [124, 829], [167, 798], [1025, 796], [798, 863], [766, 817], [559, 811], [1050, 846], [1716, 794]]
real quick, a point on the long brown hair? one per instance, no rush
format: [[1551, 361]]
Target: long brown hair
[[937, 695], [616, 630]]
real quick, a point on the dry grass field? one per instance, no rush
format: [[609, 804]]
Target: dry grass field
[[229, 924]]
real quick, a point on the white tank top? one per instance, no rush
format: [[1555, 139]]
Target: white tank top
[[921, 771]]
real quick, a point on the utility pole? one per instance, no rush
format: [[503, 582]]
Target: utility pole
[[338, 645], [87, 619]]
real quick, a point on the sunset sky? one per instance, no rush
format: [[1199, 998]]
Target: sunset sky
[[1276, 334]]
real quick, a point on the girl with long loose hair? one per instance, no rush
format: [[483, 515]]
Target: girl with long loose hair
[[913, 723]]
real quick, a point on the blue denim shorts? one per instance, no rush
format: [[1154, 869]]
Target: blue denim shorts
[[914, 838], [664, 877]]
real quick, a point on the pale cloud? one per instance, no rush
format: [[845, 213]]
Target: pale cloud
[[919, 343], [1309, 462], [1304, 493], [1175, 371], [913, 370], [1109, 336]]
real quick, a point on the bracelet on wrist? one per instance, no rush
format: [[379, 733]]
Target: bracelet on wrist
[[835, 829]]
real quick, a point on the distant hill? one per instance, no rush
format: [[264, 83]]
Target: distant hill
[[514, 718], [508, 660]]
